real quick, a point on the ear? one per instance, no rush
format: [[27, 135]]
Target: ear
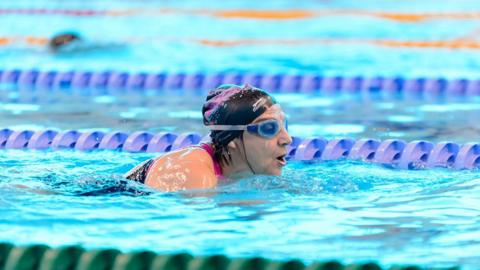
[[236, 145], [233, 144]]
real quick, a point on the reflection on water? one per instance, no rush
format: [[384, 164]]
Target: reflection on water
[[345, 210], [354, 116]]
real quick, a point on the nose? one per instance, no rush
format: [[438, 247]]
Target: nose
[[285, 138]]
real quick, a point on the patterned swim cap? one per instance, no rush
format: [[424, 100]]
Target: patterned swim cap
[[231, 104]]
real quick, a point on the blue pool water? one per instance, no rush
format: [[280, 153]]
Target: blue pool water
[[330, 116], [168, 37], [345, 210]]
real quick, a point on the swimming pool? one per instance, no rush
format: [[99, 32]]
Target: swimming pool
[[341, 209]]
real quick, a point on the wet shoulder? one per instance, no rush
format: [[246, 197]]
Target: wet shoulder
[[190, 154], [191, 167]]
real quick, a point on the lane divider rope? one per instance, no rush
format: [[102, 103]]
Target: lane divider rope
[[468, 41], [42, 257], [289, 14], [307, 83], [416, 154]]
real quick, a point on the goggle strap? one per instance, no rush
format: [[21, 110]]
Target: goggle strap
[[227, 127], [251, 127]]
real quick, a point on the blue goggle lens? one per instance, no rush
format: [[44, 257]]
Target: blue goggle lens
[[267, 129]]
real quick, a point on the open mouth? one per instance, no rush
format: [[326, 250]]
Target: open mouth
[[281, 159]]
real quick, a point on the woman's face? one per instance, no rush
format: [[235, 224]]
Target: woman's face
[[267, 155]]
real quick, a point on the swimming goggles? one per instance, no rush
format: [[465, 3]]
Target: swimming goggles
[[267, 129]]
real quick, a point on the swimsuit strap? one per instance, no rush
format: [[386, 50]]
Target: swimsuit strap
[[216, 165], [140, 172]]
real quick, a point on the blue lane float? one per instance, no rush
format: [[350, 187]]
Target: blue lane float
[[392, 152], [306, 83], [63, 140], [364, 149]]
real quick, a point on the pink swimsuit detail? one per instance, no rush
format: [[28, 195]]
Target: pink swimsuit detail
[[216, 166]]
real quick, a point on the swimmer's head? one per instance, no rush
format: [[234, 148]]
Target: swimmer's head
[[231, 104], [227, 111], [60, 41]]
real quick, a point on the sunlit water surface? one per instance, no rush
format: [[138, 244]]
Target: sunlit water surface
[[342, 37], [332, 210], [337, 210], [335, 115]]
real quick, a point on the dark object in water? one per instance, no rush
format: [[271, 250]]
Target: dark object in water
[[59, 41]]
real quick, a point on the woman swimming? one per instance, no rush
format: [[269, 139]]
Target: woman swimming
[[60, 41], [248, 137], [72, 42]]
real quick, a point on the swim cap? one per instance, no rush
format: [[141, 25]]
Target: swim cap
[[231, 104], [61, 40]]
